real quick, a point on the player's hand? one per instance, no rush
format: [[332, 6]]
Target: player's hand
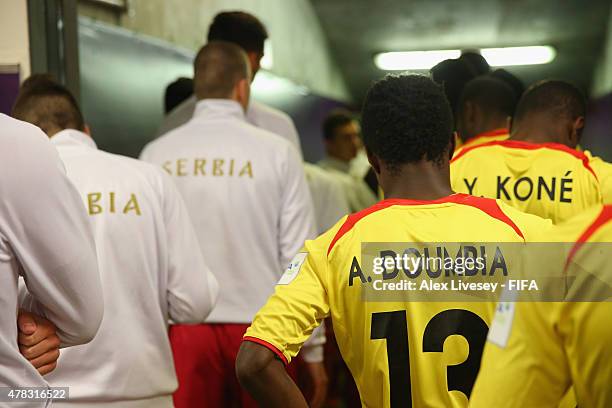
[[38, 341], [318, 377]]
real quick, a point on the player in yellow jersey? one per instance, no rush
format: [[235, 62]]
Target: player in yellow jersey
[[538, 169], [400, 352], [538, 350], [484, 111]]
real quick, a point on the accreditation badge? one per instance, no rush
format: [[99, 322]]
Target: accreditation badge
[[293, 269]]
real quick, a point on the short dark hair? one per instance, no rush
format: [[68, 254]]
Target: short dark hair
[[240, 28], [218, 66], [177, 92], [405, 119], [453, 74], [492, 95], [478, 64], [334, 120], [558, 99], [510, 79], [48, 105], [36, 79]]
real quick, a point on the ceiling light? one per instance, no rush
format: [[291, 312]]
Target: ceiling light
[[496, 57], [505, 57], [404, 60]]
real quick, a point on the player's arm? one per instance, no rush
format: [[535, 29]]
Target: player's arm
[[264, 376], [49, 234], [313, 355], [338, 204], [192, 288], [297, 224], [297, 221], [291, 133], [281, 327], [523, 364]]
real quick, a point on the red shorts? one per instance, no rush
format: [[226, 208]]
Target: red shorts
[[204, 358]]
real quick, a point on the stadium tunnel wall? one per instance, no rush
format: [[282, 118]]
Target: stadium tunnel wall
[[127, 58], [14, 52], [598, 129], [299, 46]]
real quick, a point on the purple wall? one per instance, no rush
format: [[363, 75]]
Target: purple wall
[[598, 128], [308, 113], [9, 87]]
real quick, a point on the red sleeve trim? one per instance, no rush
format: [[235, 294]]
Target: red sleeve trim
[[267, 345], [486, 205], [604, 216]]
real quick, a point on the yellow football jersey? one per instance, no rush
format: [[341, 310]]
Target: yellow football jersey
[[603, 170], [491, 136], [536, 351], [549, 180], [400, 352]]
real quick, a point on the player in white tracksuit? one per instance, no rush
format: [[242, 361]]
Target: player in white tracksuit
[[150, 264], [45, 238]]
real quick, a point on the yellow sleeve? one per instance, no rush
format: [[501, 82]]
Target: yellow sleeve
[[594, 194], [298, 305], [604, 175], [532, 226], [523, 364]]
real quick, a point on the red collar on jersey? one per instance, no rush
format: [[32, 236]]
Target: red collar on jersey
[[486, 205], [486, 135], [519, 144]]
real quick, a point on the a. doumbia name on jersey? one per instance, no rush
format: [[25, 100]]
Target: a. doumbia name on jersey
[[435, 267], [435, 261]]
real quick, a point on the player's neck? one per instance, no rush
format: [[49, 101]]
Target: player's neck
[[537, 129], [417, 181], [533, 135], [494, 124]]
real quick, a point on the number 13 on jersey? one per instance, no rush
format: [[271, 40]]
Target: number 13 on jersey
[[392, 327]]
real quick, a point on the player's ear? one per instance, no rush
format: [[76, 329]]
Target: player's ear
[[576, 131], [254, 62], [452, 145], [242, 92], [374, 161]]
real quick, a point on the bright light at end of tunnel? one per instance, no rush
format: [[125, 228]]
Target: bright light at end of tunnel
[[509, 56], [403, 60], [496, 57]]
